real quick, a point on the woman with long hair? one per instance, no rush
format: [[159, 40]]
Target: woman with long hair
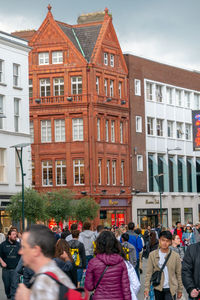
[[153, 244], [64, 260], [108, 265]]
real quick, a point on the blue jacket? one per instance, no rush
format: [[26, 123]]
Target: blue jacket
[[136, 241]]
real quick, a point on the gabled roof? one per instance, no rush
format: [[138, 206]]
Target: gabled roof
[[83, 37]]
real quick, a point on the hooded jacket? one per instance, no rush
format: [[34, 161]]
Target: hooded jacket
[[132, 253], [115, 282], [87, 237], [76, 244]]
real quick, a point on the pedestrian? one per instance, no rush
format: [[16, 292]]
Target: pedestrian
[[87, 237], [118, 233], [179, 231], [77, 251], [64, 260], [170, 283], [153, 243], [191, 270], [176, 246], [2, 236], [129, 249], [196, 231], [9, 258], [38, 249], [188, 236], [136, 241], [109, 267], [138, 231], [74, 226]]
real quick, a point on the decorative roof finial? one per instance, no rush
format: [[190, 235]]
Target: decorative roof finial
[[106, 10], [49, 7]]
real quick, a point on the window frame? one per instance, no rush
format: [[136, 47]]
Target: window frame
[[59, 85], [105, 58], [77, 124], [113, 131], [112, 60], [16, 114], [56, 58], [45, 136], [80, 165], [59, 130], [137, 84], [63, 172], [16, 75], [43, 58], [76, 85], [138, 128], [48, 167], [46, 85], [140, 163]]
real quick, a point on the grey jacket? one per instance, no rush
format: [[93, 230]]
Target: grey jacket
[[87, 237], [196, 235], [132, 253], [178, 250]]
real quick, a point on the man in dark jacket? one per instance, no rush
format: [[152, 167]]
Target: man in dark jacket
[[136, 241], [9, 259], [78, 254], [191, 270]]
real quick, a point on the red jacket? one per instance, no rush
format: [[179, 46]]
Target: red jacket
[[114, 284]]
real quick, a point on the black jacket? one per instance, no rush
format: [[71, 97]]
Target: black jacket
[[191, 268]]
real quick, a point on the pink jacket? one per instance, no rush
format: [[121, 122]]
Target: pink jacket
[[115, 282]]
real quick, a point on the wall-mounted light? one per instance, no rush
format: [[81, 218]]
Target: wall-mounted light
[[108, 99], [123, 102], [84, 193], [38, 101], [122, 192], [69, 99], [104, 191]]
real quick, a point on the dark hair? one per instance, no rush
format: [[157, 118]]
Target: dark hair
[[75, 234], [177, 222], [11, 230], [131, 225], [62, 246], [174, 236], [100, 228], [166, 234], [138, 231], [74, 226], [42, 236], [186, 228], [108, 244], [153, 238], [125, 237], [86, 225]]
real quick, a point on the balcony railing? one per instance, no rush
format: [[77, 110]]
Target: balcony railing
[[55, 100]]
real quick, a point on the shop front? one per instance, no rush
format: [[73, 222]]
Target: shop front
[[114, 212]]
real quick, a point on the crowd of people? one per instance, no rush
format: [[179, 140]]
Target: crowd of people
[[103, 264]]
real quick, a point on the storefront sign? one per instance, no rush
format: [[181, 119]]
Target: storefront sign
[[114, 202], [152, 201], [196, 129]]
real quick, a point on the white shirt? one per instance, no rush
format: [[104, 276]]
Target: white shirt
[[165, 271]]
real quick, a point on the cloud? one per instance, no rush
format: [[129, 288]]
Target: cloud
[[18, 22]]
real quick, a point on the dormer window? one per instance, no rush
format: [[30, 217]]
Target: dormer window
[[105, 58], [112, 60], [57, 57], [43, 58]]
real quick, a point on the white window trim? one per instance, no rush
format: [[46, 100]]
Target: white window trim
[[99, 171], [112, 131], [43, 58], [61, 167], [112, 60], [138, 128], [105, 58], [45, 124], [57, 58], [98, 129], [77, 124], [59, 124], [137, 83], [114, 166], [79, 165], [108, 172], [3, 164], [140, 163], [48, 167]]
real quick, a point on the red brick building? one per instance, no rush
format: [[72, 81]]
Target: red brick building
[[79, 112]]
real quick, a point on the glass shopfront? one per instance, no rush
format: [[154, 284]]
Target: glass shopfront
[[146, 217], [5, 221], [112, 217]]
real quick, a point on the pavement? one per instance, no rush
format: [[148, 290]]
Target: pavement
[[140, 295]]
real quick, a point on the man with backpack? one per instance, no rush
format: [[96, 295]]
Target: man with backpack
[[136, 241], [78, 254], [129, 250], [49, 281]]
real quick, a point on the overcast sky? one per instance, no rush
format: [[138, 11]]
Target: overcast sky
[[162, 30]]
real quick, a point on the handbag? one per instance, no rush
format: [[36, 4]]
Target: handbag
[[156, 276], [104, 271]]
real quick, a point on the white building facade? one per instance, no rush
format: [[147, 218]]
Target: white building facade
[[14, 119], [173, 168]]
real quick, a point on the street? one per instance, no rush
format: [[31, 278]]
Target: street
[[140, 294]]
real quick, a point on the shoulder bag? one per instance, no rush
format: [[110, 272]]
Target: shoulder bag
[[104, 271], [156, 276]]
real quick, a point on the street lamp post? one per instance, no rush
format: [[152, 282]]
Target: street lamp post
[[19, 151], [157, 178]]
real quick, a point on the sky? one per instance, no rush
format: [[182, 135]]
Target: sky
[[163, 30]]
